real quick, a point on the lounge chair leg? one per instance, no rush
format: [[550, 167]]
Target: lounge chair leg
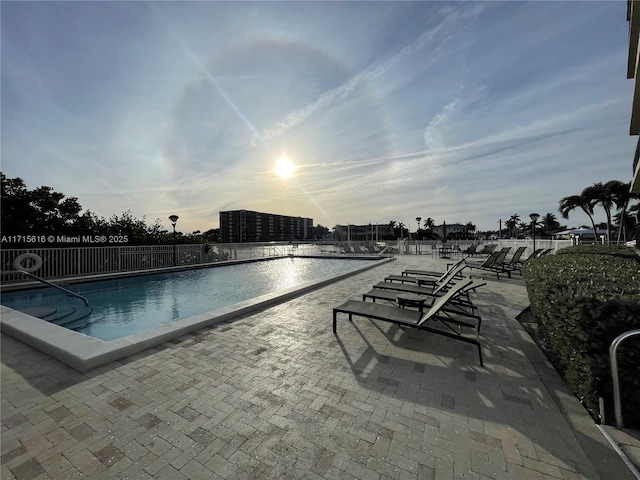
[[334, 321], [480, 355]]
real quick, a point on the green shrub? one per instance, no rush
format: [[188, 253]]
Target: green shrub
[[581, 302], [614, 250]]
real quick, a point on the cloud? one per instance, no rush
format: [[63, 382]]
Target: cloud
[[434, 38]]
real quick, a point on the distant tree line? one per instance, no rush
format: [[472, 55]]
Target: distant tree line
[[41, 216], [43, 213]]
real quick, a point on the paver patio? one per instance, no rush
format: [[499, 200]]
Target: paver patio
[[277, 395]]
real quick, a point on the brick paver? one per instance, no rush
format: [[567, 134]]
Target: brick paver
[[277, 395]]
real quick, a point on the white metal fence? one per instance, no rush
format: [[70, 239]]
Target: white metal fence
[[427, 247], [80, 261]]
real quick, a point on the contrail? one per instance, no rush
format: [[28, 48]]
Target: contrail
[[368, 74]]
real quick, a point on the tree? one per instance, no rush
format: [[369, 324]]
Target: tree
[[212, 235], [549, 224], [471, 229], [44, 212], [570, 203], [392, 227], [402, 231], [512, 224], [429, 223], [398, 229], [41, 211], [598, 193], [621, 196]]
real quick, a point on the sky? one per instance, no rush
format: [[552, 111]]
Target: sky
[[458, 111]]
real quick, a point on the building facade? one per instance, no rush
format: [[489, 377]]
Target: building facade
[[239, 226], [363, 233], [454, 231], [633, 17]]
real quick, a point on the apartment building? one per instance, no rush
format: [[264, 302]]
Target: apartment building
[[238, 226]]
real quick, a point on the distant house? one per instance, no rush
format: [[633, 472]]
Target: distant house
[[454, 230], [581, 234]]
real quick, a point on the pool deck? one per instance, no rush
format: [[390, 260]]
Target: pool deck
[[276, 395]]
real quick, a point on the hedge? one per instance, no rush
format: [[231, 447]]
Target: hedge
[[613, 250], [582, 300]]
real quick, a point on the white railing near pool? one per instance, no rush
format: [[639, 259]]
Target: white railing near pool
[[80, 261]]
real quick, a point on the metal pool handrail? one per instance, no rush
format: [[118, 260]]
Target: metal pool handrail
[[613, 359], [86, 302]]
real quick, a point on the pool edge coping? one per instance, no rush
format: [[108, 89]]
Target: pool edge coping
[[83, 352]]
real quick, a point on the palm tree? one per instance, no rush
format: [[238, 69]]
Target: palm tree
[[549, 223], [567, 204], [598, 193], [401, 228], [621, 196], [429, 223], [392, 227], [512, 223], [470, 229]]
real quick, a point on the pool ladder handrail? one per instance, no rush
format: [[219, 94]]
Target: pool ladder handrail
[[86, 302], [613, 360]]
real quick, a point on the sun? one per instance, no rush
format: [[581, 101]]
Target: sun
[[284, 167]]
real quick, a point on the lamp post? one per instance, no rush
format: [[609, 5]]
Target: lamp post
[[417, 230], [173, 219], [534, 218]]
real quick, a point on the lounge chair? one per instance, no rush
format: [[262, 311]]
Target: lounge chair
[[487, 262], [446, 277], [471, 249], [431, 273], [496, 263], [415, 319], [514, 264], [459, 304], [540, 252], [487, 249], [535, 254]]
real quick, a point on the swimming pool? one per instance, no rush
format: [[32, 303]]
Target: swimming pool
[[130, 314]]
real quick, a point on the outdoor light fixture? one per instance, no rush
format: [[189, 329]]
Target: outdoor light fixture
[[418, 222], [534, 218], [174, 219]]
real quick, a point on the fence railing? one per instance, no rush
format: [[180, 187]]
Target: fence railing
[[81, 261], [427, 247]]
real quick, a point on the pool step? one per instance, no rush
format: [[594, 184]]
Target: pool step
[[75, 322], [38, 312], [67, 317], [59, 314]]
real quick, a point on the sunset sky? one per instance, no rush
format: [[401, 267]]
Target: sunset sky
[[459, 111]]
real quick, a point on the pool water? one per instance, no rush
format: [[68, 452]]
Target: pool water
[[125, 306]]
